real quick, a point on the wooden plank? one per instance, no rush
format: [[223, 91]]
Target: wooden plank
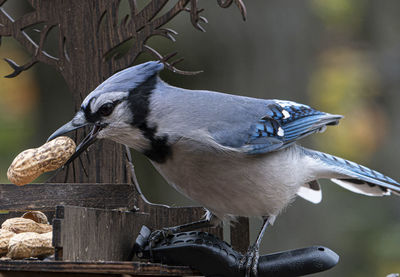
[[48, 196], [56, 274], [132, 268], [88, 234], [240, 235]]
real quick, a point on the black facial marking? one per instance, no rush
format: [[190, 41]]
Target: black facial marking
[[89, 115], [104, 110], [139, 103]]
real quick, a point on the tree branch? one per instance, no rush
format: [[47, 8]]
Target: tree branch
[[17, 31], [167, 64], [17, 68]]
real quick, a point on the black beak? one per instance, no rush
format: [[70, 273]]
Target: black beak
[[76, 123], [66, 128], [85, 143]]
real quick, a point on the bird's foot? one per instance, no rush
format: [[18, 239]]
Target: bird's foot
[[159, 235], [250, 261]]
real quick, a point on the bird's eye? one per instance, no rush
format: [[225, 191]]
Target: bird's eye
[[106, 109]]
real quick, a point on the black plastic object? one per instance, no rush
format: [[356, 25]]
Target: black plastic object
[[213, 257]]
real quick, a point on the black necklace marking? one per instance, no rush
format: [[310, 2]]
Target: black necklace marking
[[139, 103]]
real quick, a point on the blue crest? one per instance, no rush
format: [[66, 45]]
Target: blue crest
[[127, 79]]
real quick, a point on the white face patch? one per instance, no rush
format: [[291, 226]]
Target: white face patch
[[107, 97], [280, 132], [286, 114]]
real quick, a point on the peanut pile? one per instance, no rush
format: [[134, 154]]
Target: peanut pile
[[27, 236]]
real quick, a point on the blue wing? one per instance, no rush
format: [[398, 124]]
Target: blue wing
[[284, 123]]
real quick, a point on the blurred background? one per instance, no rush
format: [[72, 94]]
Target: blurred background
[[338, 56]]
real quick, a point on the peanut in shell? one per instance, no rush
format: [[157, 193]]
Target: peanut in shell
[[21, 225], [5, 236], [26, 245], [31, 163], [36, 216]]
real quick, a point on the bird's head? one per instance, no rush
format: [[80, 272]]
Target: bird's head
[[115, 106]]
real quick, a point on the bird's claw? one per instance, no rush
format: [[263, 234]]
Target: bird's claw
[[250, 261], [158, 235]]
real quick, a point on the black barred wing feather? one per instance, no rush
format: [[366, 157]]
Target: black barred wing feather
[[284, 123]]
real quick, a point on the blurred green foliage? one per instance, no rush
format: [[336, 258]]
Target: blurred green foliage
[[345, 82], [340, 15], [18, 108]]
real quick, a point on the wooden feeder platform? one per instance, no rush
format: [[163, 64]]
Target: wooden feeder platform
[[98, 239]]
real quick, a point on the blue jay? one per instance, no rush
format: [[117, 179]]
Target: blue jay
[[235, 155]]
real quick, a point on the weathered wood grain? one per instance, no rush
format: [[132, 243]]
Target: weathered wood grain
[[89, 234], [240, 234], [47, 196], [57, 274], [131, 268]]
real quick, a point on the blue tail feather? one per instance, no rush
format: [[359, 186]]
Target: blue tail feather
[[356, 175]]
